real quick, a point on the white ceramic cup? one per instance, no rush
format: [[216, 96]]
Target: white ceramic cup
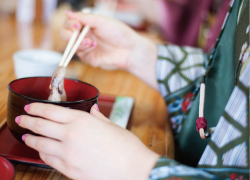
[[35, 62]]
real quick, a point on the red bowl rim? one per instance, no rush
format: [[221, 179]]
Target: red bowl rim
[[54, 102]]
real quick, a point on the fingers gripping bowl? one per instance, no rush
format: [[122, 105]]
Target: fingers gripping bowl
[[80, 96]]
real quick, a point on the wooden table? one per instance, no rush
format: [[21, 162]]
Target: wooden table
[[149, 116]]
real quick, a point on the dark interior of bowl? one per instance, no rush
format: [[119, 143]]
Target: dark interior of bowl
[[38, 88]]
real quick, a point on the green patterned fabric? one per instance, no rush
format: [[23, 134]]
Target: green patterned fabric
[[179, 71], [226, 156], [167, 169], [219, 86], [242, 37], [226, 153]]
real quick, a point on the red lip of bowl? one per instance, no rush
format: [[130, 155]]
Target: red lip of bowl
[[80, 96], [7, 170]]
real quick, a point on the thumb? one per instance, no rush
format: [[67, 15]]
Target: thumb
[[84, 18], [95, 112]]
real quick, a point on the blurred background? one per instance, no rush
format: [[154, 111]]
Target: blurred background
[[184, 22]]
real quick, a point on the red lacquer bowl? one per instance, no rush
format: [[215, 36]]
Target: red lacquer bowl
[[80, 95]]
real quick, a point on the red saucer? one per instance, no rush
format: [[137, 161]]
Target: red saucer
[[6, 169]]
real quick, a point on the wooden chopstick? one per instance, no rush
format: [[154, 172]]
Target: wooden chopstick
[[71, 48], [78, 42]]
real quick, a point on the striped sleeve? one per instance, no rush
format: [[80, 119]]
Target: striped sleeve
[[167, 169], [178, 67]]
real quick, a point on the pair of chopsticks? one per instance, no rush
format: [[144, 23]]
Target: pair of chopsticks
[[71, 47]]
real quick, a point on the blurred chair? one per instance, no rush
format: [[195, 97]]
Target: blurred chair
[[180, 20]]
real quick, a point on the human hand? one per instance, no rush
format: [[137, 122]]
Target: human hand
[[110, 44], [85, 145]]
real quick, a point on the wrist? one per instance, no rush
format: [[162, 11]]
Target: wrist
[[142, 61], [144, 164], [150, 163]]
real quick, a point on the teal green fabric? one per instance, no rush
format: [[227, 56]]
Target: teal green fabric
[[243, 6], [241, 36], [219, 85]]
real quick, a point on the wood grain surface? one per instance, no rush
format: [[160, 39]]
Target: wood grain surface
[[149, 115]]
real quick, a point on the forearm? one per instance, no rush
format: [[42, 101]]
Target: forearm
[[145, 162]]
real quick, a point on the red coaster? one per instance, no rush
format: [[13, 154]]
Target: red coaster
[[13, 150]]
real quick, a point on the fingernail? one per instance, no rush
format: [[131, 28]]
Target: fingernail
[[93, 44], [18, 119], [77, 26], [24, 137], [85, 42], [96, 107], [27, 107]]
